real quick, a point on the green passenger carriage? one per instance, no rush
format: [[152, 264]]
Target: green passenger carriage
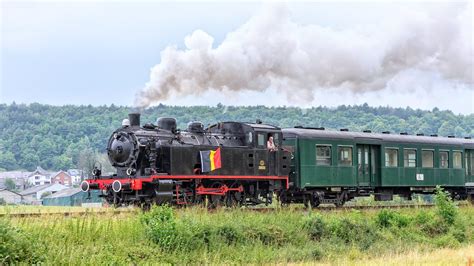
[[336, 166]]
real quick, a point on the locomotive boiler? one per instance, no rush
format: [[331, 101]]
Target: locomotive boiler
[[228, 163]]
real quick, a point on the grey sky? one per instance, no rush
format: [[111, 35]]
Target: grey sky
[[101, 52]]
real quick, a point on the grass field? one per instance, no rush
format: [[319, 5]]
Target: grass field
[[442, 235]]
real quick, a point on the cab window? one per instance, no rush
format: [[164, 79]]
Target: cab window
[[249, 138], [276, 139], [261, 140]]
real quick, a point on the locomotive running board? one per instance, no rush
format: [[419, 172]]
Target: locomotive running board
[[136, 183]]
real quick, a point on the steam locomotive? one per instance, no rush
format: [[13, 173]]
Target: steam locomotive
[[230, 163], [225, 164]]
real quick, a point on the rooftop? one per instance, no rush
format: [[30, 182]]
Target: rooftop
[[35, 189], [376, 137], [65, 193]]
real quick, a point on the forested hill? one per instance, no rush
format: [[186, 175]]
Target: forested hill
[[61, 137]]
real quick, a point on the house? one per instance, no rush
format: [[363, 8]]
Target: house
[[39, 177], [10, 197], [34, 194], [62, 178], [19, 177], [76, 176], [72, 197]]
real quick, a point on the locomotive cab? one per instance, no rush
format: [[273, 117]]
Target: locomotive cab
[[257, 160]]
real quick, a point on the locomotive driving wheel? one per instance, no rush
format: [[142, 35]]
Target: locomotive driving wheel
[[234, 198], [213, 200]]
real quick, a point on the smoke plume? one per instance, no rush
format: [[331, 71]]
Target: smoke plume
[[272, 51]]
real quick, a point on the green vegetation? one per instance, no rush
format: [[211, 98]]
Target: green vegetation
[[225, 236], [60, 137], [10, 184], [17, 246]]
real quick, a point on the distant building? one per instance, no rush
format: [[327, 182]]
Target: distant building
[[34, 194], [10, 197], [62, 178], [76, 176], [39, 177], [72, 197], [19, 177]]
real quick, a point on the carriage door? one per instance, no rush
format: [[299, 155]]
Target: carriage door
[[363, 165]]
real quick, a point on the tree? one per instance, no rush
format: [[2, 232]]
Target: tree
[[7, 160], [10, 184], [59, 137]]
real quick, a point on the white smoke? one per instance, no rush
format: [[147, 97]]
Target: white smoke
[[272, 51]]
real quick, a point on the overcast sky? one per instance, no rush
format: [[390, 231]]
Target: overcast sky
[[102, 53]]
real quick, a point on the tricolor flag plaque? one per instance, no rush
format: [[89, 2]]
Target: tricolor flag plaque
[[210, 160]]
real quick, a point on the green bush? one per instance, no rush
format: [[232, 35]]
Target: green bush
[[430, 224], [458, 231], [352, 230], [16, 246], [160, 226], [229, 234], [315, 226], [388, 218], [445, 206]]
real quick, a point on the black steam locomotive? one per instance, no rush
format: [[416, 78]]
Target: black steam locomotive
[[228, 163]]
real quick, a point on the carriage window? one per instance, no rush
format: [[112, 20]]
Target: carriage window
[[410, 157], [323, 155], [261, 140], [345, 156], [466, 165], [443, 159], [391, 157], [457, 159], [427, 159], [472, 162]]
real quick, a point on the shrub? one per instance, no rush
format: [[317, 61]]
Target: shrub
[[229, 234], [354, 230], [459, 231], [447, 241], [388, 218], [445, 206], [431, 224], [16, 246], [315, 226], [160, 226]]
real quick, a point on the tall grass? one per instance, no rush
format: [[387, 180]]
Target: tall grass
[[223, 236]]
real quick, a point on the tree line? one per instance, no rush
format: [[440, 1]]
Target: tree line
[[73, 136]]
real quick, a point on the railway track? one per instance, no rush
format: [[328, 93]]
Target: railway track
[[78, 213], [70, 213]]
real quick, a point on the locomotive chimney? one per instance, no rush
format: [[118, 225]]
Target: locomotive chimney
[[134, 119]]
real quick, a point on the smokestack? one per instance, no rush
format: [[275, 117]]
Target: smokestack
[[134, 119]]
